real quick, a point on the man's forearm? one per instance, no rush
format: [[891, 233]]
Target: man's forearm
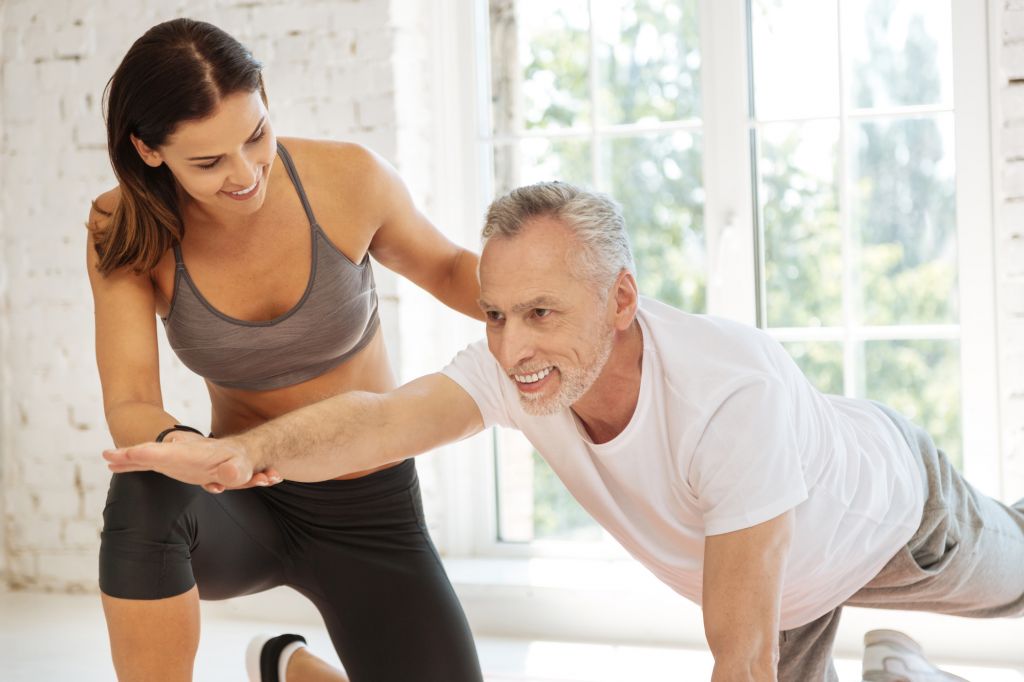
[[334, 437], [742, 598], [747, 659]]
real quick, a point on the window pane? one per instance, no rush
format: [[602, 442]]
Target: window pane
[[658, 180], [795, 60], [648, 60], [921, 379], [900, 52], [533, 504], [540, 60], [802, 237], [904, 208], [536, 159], [821, 362]]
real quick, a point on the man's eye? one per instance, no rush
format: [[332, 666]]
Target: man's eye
[[493, 316], [541, 312]]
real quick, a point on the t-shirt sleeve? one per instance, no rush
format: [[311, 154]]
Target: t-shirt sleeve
[[478, 373], [746, 468]]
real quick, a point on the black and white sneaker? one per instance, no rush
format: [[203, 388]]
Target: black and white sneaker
[[266, 657]]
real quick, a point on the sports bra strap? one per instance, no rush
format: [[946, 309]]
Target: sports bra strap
[[179, 262], [294, 175]]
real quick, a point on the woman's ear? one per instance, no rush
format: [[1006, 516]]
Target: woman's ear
[[150, 157]]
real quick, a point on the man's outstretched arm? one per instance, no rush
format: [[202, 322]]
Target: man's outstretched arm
[[344, 434]]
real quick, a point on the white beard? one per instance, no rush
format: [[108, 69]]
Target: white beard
[[573, 382]]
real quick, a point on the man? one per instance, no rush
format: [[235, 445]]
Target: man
[[695, 441]]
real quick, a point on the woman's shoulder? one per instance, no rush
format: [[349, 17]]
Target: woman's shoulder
[[333, 158], [101, 212], [102, 208]]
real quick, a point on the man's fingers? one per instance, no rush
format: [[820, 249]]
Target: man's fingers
[[139, 454], [260, 480], [126, 468], [116, 457]]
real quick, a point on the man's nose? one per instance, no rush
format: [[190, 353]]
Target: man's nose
[[515, 344]]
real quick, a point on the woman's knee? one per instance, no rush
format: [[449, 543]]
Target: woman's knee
[[147, 536]]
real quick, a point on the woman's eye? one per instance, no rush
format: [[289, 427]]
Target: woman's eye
[[208, 166], [259, 135]]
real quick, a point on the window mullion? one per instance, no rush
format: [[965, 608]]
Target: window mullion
[[728, 213], [853, 347], [595, 154], [975, 221]]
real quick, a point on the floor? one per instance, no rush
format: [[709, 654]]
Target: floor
[[53, 638]]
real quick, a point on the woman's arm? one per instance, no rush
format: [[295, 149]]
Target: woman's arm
[[409, 244], [126, 346]]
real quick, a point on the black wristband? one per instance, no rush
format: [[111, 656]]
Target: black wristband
[[177, 427]]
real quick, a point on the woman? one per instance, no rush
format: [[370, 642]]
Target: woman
[[254, 252]]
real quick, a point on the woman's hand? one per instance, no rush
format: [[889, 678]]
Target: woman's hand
[[217, 464]]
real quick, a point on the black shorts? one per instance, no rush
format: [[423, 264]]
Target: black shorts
[[357, 548]]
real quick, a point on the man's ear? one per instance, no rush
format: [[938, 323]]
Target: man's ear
[[626, 298], [150, 156]]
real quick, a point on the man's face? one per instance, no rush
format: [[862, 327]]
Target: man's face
[[551, 332]]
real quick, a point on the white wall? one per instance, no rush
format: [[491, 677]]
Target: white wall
[[1008, 133], [4, 420], [329, 74]]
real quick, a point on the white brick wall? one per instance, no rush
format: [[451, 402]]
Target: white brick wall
[[5, 430], [1010, 240], [329, 74]]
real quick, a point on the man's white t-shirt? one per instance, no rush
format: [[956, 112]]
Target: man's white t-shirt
[[727, 433]]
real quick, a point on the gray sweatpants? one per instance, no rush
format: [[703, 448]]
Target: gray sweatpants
[[966, 559]]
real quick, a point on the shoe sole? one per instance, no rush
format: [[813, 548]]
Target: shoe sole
[[885, 677]]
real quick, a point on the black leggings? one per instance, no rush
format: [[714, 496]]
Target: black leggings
[[358, 549]]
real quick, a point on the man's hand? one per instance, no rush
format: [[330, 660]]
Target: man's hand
[[217, 464]]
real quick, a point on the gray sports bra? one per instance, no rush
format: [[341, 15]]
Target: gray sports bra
[[335, 318]]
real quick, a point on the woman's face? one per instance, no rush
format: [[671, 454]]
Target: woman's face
[[222, 161]]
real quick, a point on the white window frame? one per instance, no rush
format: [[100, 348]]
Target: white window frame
[[512, 588]]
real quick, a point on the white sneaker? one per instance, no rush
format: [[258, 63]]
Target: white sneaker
[[891, 656]]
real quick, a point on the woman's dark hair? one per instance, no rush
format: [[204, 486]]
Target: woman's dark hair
[[177, 71]]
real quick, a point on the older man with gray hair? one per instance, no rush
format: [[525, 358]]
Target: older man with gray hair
[[695, 441]]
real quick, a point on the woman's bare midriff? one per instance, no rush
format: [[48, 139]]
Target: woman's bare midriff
[[236, 410]]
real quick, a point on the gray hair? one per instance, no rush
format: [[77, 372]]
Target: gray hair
[[594, 218]]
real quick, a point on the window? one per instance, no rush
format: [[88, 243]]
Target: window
[[856, 199], [818, 168]]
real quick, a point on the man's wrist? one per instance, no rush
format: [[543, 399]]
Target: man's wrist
[[747, 663], [730, 670], [250, 445]]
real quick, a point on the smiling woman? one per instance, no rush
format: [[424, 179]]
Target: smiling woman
[[255, 253]]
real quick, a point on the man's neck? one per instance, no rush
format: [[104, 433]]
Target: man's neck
[[606, 409]]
